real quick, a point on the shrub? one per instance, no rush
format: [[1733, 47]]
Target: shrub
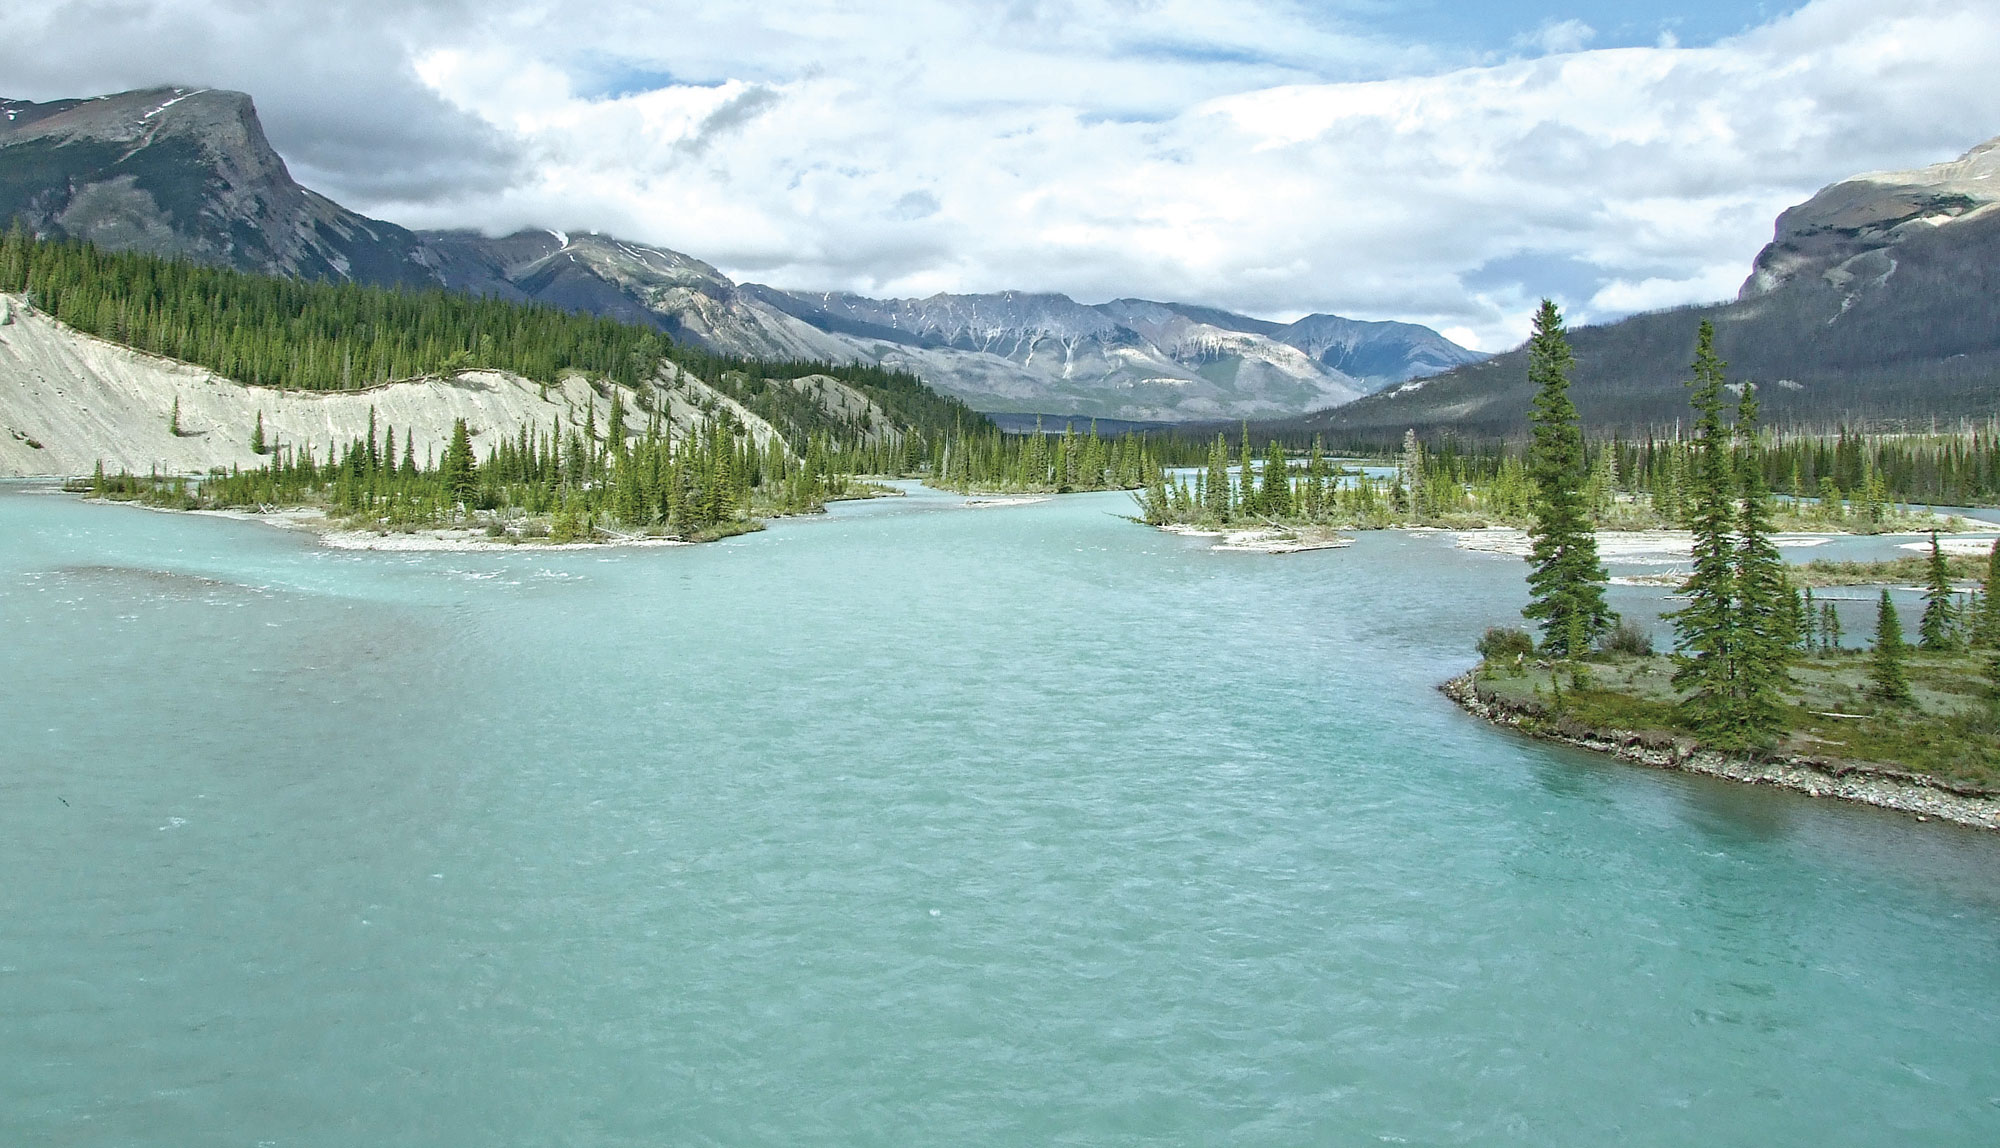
[[1505, 643], [1628, 638]]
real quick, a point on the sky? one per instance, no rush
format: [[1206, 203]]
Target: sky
[[1438, 162]]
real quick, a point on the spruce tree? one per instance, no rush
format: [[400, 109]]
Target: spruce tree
[[1885, 670], [1766, 626], [1247, 499], [1566, 586], [1277, 483], [1216, 489], [457, 470], [1938, 629], [614, 430], [1705, 629], [257, 445], [174, 418], [1986, 625]]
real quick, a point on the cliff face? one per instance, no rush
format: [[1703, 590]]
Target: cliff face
[[70, 401], [1847, 233], [185, 172]]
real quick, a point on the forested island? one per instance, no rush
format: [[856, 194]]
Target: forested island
[[1759, 686]]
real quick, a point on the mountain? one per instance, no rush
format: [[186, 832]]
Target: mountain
[[1129, 359], [188, 172], [1381, 353], [1877, 301], [182, 172]]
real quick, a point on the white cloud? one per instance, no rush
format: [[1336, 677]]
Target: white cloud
[[1557, 36], [1468, 338], [1251, 155], [1623, 296]]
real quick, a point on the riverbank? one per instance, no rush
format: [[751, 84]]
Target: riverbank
[[485, 531], [1669, 549], [1817, 774], [337, 534], [1266, 539]]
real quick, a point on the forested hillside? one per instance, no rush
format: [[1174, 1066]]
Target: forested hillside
[[329, 336]]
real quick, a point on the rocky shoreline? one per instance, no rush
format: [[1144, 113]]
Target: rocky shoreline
[[1884, 788]]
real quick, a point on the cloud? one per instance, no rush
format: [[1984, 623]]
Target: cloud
[[332, 83], [1558, 36], [1263, 156]]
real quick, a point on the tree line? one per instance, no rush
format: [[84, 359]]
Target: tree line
[[310, 335], [323, 336], [565, 482]]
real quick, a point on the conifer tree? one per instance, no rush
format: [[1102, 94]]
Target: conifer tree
[[1217, 481], [1277, 483], [1705, 629], [614, 429], [1986, 625], [174, 418], [457, 468], [1938, 629], [257, 445], [1885, 670], [1246, 477], [1566, 586], [1766, 626]]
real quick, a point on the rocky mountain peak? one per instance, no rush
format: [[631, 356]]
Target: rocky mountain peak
[[137, 116], [185, 172], [1836, 232]]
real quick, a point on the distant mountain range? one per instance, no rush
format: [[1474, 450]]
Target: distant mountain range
[[189, 172], [1877, 301]]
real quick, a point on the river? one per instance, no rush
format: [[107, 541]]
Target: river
[[911, 824]]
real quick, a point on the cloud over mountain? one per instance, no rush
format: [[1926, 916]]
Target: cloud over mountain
[[1256, 156]]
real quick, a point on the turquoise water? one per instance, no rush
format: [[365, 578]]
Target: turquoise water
[[912, 825]]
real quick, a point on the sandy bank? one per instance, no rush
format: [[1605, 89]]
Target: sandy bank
[[339, 536], [1265, 539], [69, 401], [1866, 784], [1954, 547], [1627, 547]]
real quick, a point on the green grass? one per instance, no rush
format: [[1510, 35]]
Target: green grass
[[1951, 731], [1905, 570]]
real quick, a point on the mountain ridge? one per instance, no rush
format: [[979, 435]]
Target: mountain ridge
[[188, 172], [1877, 302]]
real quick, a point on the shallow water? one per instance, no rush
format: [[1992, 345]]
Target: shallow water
[[914, 824]]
